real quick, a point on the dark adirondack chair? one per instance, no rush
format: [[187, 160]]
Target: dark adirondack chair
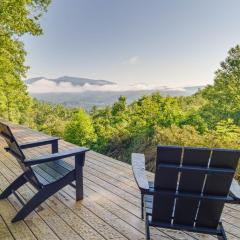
[[48, 173], [190, 188]]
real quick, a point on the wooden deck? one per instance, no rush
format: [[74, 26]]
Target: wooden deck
[[110, 209]]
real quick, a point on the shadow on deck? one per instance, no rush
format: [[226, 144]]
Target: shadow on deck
[[110, 209]]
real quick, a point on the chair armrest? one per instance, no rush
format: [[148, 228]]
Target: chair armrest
[[138, 166], [235, 191], [37, 143], [56, 156]]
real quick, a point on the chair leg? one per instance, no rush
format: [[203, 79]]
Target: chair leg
[[79, 162], [142, 206], [223, 236], [35, 201], [17, 183], [42, 195], [55, 146], [147, 228]]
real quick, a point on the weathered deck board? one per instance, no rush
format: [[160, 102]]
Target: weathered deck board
[[110, 209], [4, 232]]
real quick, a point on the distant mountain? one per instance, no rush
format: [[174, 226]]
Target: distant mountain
[[33, 80], [192, 90], [100, 93], [88, 99], [75, 81]]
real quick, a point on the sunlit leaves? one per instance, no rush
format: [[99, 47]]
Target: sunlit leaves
[[224, 96], [79, 129], [17, 17]]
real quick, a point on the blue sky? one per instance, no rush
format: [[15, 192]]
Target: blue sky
[[161, 42]]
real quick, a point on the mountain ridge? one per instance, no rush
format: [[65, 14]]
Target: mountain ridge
[[75, 81]]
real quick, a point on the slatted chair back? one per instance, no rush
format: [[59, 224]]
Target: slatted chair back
[[192, 185], [16, 151]]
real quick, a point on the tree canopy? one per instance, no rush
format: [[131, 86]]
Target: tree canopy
[[223, 97], [17, 17], [209, 118]]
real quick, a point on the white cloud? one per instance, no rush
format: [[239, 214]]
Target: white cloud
[[46, 86], [132, 60]]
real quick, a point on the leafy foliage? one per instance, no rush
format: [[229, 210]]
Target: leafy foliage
[[223, 98], [210, 118], [80, 129], [17, 17], [48, 118]]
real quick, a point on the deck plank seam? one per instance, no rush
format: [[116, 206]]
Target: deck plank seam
[[9, 230]]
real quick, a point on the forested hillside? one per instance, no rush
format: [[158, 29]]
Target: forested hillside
[[209, 118]]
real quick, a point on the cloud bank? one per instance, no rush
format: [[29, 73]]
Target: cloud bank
[[46, 86]]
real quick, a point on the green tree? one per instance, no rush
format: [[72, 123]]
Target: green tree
[[223, 96], [49, 118], [119, 106], [154, 110], [80, 129], [17, 17], [225, 135]]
